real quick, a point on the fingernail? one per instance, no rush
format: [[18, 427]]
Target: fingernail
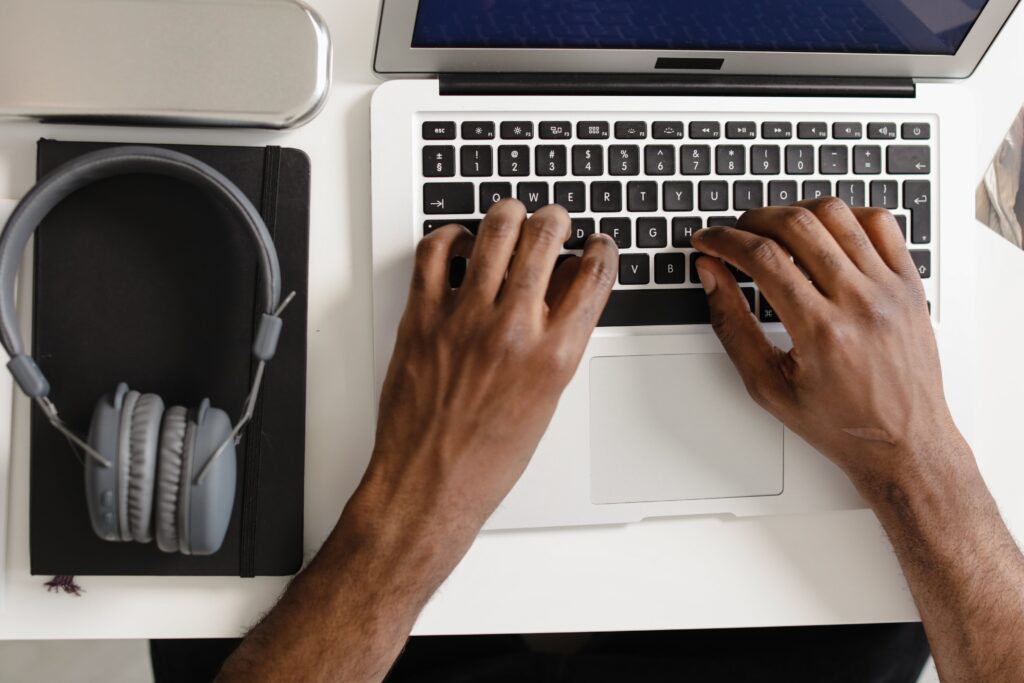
[[707, 279]]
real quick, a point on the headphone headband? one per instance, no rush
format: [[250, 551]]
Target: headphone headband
[[107, 163]]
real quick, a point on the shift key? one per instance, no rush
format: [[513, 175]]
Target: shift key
[[440, 198]]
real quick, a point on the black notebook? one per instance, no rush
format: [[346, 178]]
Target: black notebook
[[143, 279]]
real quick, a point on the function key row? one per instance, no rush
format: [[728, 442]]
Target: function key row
[[671, 130], [439, 161]]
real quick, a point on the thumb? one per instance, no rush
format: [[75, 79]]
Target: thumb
[[754, 356]]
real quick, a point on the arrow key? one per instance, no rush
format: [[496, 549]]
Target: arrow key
[[917, 196], [910, 159], [448, 198], [923, 262]]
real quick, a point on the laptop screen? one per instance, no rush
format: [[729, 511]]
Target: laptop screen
[[918, 27]]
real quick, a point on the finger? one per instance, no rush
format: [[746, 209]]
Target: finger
[[755, 357], [540, 241], [495, 242], [808, 240], [794, 298], [433, 257], [847, 231], [561, 280], [578, 311], [884, 232]]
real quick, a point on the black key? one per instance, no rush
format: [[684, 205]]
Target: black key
[[438, 161], [478, 130], [677, 196], [835, 160], [777, 130], [555, 130], [438, 130], [533, 195], [651, 233], [713, 196], [917, 196], [816, 189], [619, 230], [741, 130], [667, 130], [551, 160], [910, 159], [582, 228], [642, 196], [694, 278], [867, 160], [517, 130], [492, 193], [513, 160], [705, 130], [457, 271], [669, 269], [592, 130], [747, 194], [917, 131], [847, 131], [731, 160], [799, 159], [634, 269], [660, 160], [782, 192], [630, 130], [765, 160], [683, 228], [667, 306], [768, 314], [477, 160], [901, 221], [740, 276], [571, 196], [723, 221], [605, 197], [882, 131], [471, 224], [923, 262], [851, 192], [453, 198], [883, 194], [587, 160], [624, 160], [812, 131], [695, 160]]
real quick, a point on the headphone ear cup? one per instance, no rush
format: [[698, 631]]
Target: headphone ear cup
[[101, 488], [143, 437], [168, 480], [204, 509]]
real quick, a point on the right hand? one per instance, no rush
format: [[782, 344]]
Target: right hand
[[862, 382]]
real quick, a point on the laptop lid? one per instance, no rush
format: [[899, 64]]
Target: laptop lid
[[866, 38]]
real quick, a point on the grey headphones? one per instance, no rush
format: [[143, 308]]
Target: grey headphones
[[151, 471]]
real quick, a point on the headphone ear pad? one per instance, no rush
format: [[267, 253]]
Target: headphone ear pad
[[168, 480], [143, 438]]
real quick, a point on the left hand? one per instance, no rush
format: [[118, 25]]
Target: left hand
[[477, 372]]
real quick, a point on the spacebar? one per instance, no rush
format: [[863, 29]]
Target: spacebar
[[630, 307]]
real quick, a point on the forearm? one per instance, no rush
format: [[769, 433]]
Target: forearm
[[964, 568], [348, 615]]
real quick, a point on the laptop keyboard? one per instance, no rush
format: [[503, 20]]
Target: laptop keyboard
[[650, 183]]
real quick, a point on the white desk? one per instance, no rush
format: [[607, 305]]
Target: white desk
[[683, 573]]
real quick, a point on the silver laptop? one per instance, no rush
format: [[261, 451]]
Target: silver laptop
[[649, 120]]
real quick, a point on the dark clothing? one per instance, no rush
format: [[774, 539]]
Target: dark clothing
[[883, 653]]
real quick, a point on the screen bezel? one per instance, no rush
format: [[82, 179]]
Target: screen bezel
[[395, 55]]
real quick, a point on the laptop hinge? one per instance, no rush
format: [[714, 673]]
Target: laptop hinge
[[672, 85]]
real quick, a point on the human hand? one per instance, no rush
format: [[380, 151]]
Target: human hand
[[862, 383], [477, 372]]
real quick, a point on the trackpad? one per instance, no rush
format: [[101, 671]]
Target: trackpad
[[678, 427]]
